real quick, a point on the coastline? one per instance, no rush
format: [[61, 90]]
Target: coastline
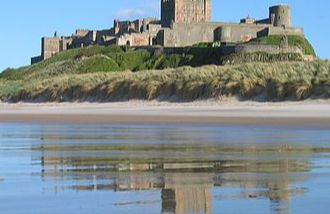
[[231, 112]]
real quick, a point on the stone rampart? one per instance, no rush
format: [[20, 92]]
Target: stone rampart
[[271, 49], [226, 50], [270, 30]]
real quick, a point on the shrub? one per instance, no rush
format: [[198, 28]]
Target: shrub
[[98, 63], [130, 60]]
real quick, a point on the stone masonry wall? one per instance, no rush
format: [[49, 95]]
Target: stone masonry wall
[[134, 39], [233, 33], [187, 11], [187, 34], [271, 49], [227, 50]]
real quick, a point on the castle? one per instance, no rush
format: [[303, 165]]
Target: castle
[[183, 23]]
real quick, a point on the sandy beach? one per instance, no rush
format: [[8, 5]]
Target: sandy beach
[[316, 113]]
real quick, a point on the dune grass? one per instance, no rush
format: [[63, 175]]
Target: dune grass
[[258, 81]]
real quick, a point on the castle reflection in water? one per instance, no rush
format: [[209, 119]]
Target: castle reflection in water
[[186, 186]]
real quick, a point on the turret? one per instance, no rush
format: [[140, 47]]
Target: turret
[[280, 16]]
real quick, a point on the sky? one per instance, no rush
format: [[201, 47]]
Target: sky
[[24, 22]]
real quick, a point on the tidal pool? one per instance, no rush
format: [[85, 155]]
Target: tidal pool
[[138, 168]]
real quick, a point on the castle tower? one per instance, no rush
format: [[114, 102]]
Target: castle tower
[[191, 194], [185, 11], [280, 16]]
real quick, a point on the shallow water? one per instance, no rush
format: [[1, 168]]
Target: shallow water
[[113, 168]]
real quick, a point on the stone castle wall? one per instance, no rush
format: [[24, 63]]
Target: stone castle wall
[[229, 49], [134, 39], [281, 31], [187, 34], [183, 23], [89, 38]]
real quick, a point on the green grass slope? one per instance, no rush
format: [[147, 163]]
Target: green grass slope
[[120, 73], [115, 58], [95, 59]]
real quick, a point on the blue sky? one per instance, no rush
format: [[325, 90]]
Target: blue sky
[[24, 22]]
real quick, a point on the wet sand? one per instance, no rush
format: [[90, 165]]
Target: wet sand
[[311, 113]]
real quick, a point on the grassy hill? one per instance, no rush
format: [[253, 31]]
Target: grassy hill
[[119, 73], [115, 59], [293, 40], [258, 81]]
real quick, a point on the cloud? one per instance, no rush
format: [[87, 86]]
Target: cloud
[[147, 10], [129, 13]]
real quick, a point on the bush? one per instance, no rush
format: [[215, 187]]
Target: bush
[[130, 60], [171, 61], [97, 50], [99, 63]]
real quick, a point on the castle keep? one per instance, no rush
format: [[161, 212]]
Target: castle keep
[[183, 23], [181, 11]]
